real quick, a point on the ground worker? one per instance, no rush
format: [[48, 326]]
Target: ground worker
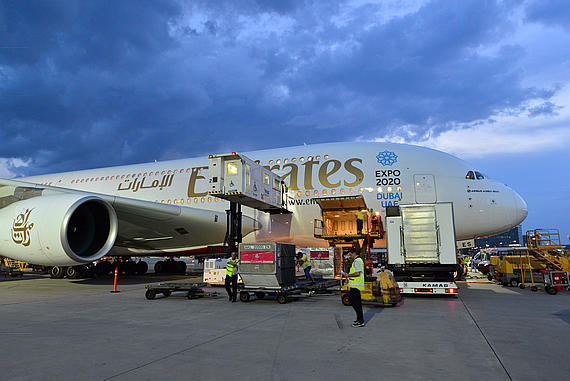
[[356, 284], [231, 277], [304, 262], [359, 221]]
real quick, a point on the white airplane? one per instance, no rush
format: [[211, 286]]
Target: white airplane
[[162, 208]]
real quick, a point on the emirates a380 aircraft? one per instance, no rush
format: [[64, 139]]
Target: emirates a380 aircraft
[[156, 208]]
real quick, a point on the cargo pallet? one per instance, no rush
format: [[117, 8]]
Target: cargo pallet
[[193, 290], [285, 294], [282, 295]]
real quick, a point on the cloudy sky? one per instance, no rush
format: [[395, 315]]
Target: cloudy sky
[[101, 83]]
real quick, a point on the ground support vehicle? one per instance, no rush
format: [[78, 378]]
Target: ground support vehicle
[[555, 281], [193, 290], [383, 291], [422, 252], [11, 267], [513, 269]]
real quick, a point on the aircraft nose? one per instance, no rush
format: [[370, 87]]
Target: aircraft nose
[[521, 209]]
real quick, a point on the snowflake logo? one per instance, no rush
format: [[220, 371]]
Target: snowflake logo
[[387, 158]]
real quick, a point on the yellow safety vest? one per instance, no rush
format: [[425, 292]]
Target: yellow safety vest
[[306, 262], [232, 269], [359, 215], [357, 281]]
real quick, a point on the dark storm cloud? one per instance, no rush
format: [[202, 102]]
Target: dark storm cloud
[[106, 83]]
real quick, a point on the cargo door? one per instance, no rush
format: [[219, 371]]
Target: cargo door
[[425, 189], [420, 235]]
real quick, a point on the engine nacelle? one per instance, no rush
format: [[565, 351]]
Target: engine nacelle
[[60, 229]]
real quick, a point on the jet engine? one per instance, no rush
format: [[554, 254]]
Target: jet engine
[[58, 229]]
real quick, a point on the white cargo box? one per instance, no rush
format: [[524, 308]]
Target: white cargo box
[[237, 178], [215, 271], [422, 234], [325, 261]]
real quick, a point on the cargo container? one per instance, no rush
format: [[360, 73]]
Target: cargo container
[[267, 265], [325, 261]]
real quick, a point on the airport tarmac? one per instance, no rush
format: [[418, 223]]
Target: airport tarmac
[[77, 330]]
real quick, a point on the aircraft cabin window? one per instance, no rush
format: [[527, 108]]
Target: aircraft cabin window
[[342, 191], [317, 157], [470, 176], [479, 176]]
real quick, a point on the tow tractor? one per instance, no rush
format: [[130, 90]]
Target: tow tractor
[[382, 291]]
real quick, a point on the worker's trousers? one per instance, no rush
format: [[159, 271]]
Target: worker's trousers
[[356, 303], [359, 226], [231, 286]]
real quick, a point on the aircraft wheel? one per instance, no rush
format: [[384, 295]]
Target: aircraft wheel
[[142, 267], [159, 267], [514, 282], [57, 272], [244, 296], [150, 294], [130, 268], [181, 267], [346, 299]]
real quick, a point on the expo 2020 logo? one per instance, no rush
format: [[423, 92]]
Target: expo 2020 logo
[[387, 158]]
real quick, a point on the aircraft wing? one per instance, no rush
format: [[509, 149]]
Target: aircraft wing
[[141, 224]]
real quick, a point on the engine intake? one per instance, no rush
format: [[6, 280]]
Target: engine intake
[[60, 229]]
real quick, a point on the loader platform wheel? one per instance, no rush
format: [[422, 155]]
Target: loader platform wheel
[[521, 286], [260, 295], [514, 282], [489, 277], [534, 289], [150, 294], [244, 296], [346, 299], [282, 299], [551, 290], [166, 293]]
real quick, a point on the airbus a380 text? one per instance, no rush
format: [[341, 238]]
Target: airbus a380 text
[[162, 207]]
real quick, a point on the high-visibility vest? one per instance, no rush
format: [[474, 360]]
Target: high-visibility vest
[[357, 281], [305, 261], [232, 269], [359, 215]]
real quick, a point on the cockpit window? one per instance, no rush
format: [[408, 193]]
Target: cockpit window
[[470, 175], [479, 176]]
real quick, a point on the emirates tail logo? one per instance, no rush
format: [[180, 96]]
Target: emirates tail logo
[[21, 228]]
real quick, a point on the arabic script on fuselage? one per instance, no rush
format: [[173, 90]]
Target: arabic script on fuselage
[[21, 228], [136, 184]]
